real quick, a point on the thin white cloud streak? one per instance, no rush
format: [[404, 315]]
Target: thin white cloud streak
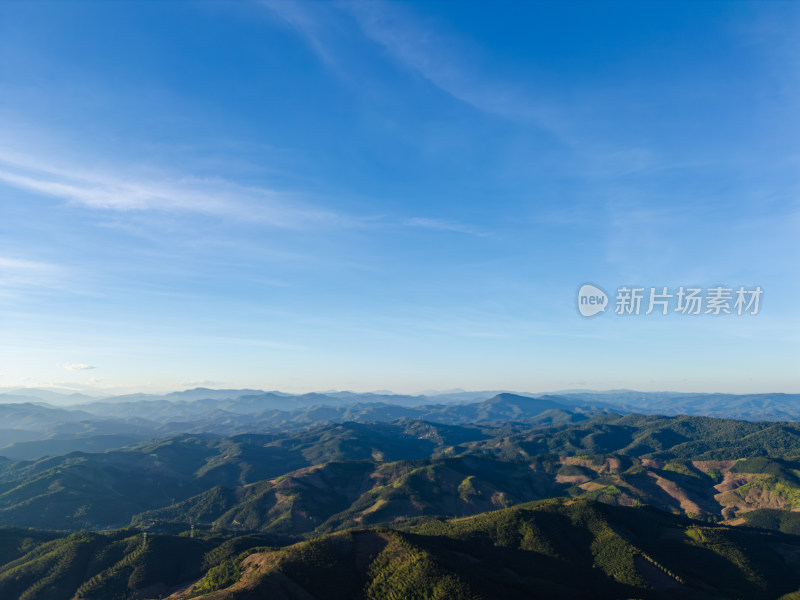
[[186, 194], [440, 225], [439, 58], [15, 264], [171, 193], [427, 53], [305, 23], [77, 367], [420, 49], [17, 274]]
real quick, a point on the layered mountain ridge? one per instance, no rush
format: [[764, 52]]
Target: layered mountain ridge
[[547, 496]]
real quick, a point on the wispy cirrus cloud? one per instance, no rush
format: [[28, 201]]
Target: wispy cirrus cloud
[[442, 225], [77, 367], [436, 57], [117, 190], [420, 48], [447, 61], [307, 23], [104, 190], [19, 273], [11, 265]]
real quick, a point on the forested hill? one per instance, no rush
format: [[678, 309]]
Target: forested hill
[[335, 476], [607, 506], [550, 549]]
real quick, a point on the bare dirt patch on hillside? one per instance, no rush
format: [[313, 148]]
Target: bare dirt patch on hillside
[[675, 491]]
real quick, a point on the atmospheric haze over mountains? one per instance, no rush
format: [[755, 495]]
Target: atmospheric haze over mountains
[[40, 422]]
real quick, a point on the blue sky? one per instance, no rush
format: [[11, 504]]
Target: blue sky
[[384, 195]]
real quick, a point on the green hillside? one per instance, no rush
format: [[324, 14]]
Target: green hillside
[[551, 549], [612, 507], [556, 548], [374, 473], [109, 566], [95, 490]]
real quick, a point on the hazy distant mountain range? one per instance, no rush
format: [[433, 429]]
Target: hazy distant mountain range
[[31, 425]]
